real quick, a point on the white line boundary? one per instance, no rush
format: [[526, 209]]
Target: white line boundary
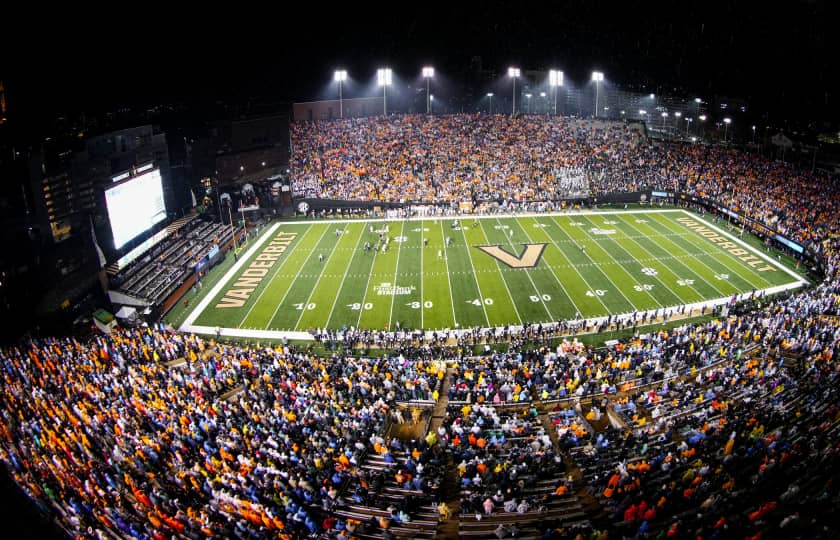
[[499, 215]]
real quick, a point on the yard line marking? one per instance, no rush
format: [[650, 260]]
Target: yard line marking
[[614, 284], [315, 287], [525, 230], [475, 278], [608, 252], [667, 288], [446, 263], [396, 267], [577, 270], [291, 285], [341, 285], [728, 257], [367, 287], [712, 285], [577, 309], [422, 300], [499, 269], [270, 281]]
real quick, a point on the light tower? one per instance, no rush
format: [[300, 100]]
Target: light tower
[[513, 73], [598, 77], [428, 73], [555, 79], [384, 78], [340, 76]]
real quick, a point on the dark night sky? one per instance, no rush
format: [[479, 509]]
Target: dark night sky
[[779, 56]]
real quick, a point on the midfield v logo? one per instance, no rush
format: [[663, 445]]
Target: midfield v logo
[[529, 257]]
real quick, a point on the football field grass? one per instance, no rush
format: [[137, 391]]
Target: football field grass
[[488, 271]]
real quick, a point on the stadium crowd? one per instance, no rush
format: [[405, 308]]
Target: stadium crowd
[[454, 158], [145, 432]]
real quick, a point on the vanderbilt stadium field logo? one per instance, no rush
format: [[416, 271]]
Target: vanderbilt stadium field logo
[[529, 257]]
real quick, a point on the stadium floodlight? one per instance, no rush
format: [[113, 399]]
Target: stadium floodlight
[[652, 96], [528, 110], [753, 128], [598, 77], [490, 95], [726, 122], [555, 79], [383, 79], [513, 73], [428, 73], [642, 112], [340, 76]]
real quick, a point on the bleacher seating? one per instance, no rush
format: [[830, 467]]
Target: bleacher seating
[[159, 272]]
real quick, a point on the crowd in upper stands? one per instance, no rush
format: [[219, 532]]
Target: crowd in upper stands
[[144, 432], [453, 158], [479, 157]]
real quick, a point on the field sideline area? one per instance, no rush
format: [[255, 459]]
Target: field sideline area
[[484, 271]]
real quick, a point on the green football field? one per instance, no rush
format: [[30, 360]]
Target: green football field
[[486, 271]]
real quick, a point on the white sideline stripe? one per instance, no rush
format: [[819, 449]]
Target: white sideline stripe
[[202, 305], [502, 215], [248, 333], [743, 244]]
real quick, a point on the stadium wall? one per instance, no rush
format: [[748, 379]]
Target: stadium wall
[[311, 111], [320, 204]]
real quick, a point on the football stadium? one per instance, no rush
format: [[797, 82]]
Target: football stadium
[[489, 324]]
